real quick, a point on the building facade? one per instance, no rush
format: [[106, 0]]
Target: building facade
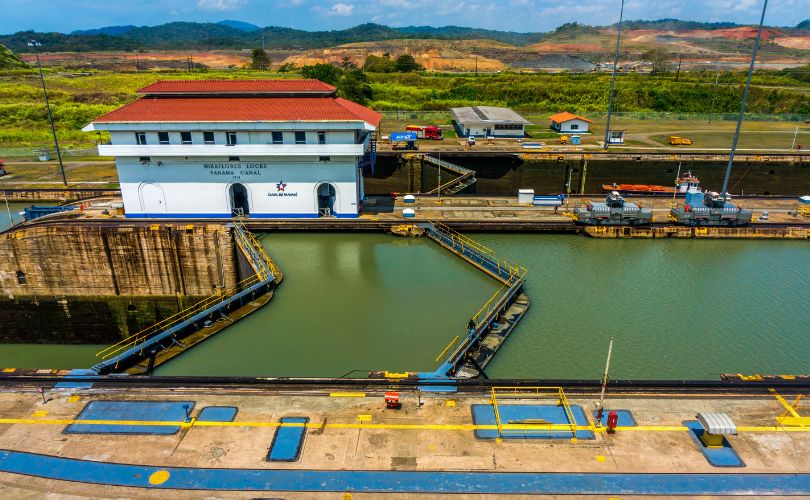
[[258, 148], [488, 121], [569, 123]]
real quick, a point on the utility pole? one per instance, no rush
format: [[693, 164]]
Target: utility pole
[[711, 107], [795, 135], [35, 44], [8, 209], [613, 77], [678, 73], [601, 406], [744, 101]]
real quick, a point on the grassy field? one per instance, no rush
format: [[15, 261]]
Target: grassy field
[[77, 100]]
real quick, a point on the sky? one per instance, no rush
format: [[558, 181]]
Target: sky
[[313, 15]]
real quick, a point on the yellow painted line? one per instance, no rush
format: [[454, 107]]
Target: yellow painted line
[[39, 413], [437, 427], [347, 394]]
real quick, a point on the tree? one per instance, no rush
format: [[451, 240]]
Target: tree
[[660, 59], [377, 64], [407, 64], [323, 72], [259, 59], [287, 68], [354, 86], [347, 63]]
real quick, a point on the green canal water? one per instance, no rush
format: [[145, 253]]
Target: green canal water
[[678, 309], [15, 209]]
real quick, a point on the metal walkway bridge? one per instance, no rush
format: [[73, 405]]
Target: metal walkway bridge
[[512, 277], [466, 177], [170, 331]]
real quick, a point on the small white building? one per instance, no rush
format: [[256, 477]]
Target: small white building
[[569, 123], [259, 148], [488, 121]]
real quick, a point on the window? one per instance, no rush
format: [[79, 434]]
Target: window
[[21, 279], [140, 138], [278, 138], [231, 138], [321, 137], [300, 137], [574, 126], [163, 137], [324, 158], [233, 158], [208, 137], [185, 137]]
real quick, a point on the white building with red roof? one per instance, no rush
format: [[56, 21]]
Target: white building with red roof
[[259, 148]]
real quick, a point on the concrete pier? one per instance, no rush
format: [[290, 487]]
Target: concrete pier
[[354, 445]]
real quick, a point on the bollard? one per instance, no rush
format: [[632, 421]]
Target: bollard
[[612, 422]]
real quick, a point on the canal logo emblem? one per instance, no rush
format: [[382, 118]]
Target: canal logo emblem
[[280, 186]]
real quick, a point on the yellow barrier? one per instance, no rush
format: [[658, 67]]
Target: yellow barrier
[[534, 393]]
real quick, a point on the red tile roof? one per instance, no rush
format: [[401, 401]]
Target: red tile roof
[[240, 109], [235, 87], [565, 116]]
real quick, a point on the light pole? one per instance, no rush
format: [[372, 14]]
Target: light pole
[[613, 77], [35, 44], [744, 101]]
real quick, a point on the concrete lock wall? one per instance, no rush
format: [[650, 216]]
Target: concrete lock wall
[[201, 188], [77, 284]]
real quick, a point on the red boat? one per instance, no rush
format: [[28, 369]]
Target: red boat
[[684, 184]]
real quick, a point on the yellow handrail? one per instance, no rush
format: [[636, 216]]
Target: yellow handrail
[[203, 304]]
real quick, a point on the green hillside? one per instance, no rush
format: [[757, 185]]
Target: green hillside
[[8, 60]]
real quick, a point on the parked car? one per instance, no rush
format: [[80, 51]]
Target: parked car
[[471, 141]]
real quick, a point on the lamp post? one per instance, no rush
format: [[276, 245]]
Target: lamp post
[[35, 44], [613, 77]]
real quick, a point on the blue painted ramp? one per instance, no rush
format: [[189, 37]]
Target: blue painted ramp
[[415, 482], [218, 414], [141, 411], [289, 439], [514, 413], [717, 457]]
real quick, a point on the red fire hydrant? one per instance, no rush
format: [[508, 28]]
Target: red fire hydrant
[[392, 401], [612, 422]]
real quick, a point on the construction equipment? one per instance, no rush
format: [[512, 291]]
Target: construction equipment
[[674, 140], [614, 211], [564, 139], [709, 209]]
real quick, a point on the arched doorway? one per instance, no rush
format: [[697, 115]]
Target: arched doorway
[[239, 200], [153, 200], [326, 200]]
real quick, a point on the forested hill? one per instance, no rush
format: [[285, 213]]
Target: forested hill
[[8, 60], [238, 35]]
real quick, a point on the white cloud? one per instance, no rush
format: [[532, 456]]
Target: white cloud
[[342, 9], [221, 5]]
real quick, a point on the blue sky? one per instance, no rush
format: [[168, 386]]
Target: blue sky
[[513, 15]]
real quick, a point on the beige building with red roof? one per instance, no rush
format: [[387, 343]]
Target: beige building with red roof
[[259, 148]]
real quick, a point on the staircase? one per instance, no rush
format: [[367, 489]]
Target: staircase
[[465, 179]]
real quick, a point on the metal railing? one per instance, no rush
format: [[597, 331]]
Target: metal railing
[[266, 271], [511, 275], [534, 393]]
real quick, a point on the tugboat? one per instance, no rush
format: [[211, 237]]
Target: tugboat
[[684, 184]]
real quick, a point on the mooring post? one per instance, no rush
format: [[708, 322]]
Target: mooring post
[[151, 366]]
